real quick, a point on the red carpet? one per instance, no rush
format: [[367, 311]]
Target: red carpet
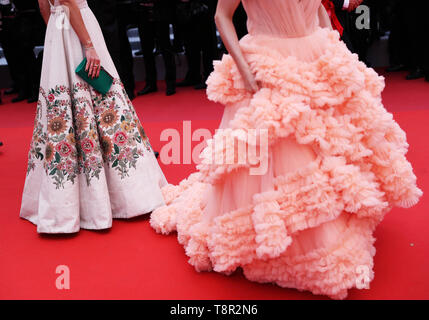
[[131, 261]]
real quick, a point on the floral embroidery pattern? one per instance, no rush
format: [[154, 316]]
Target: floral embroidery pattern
[[83, 131], [38, 141]]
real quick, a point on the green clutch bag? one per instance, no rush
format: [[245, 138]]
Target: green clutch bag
[[102, 84]]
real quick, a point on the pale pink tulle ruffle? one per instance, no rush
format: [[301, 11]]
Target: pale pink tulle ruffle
[[309, 228]]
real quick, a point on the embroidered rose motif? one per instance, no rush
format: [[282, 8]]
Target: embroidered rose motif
[[87, 145], [64, 149], [120, 138]]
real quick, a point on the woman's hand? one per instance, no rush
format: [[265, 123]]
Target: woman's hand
[[76, 20], [93, 63], [223, 18], [249, 79]]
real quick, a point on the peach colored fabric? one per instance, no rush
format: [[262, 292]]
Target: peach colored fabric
[[336, 161]]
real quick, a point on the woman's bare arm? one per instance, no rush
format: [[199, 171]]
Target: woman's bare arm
[[45, 9], [78, 25], [224, 13]]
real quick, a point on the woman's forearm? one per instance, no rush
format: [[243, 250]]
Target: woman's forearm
[[224, 13], [45, 10], [223, 18], [77, 23]]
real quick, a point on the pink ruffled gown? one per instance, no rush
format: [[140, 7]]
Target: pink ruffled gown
[[335, 162]]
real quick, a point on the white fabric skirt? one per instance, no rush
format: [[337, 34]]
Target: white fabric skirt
[[90, 159]]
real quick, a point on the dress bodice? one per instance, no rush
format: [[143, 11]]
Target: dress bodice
[[282, 18]]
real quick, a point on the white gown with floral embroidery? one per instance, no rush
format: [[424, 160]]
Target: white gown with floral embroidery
[[90, 159]]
